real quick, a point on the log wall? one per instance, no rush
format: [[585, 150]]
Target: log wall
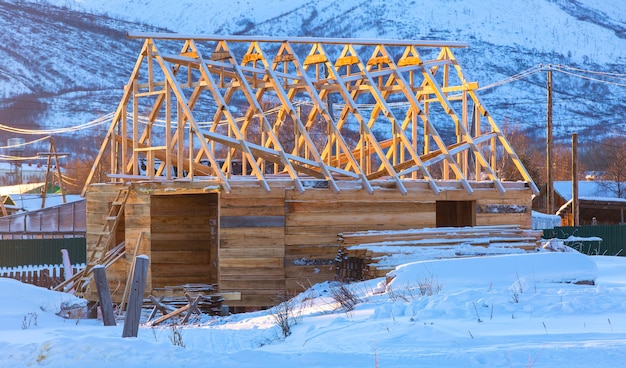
[[315, 217], [271, 244], [98, 203], [183, 238], [252, 244]]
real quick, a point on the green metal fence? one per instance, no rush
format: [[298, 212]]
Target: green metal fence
[[35, 252], [613, 238]]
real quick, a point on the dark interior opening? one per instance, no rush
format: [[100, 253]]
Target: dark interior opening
[[456, 213], [184, 239]]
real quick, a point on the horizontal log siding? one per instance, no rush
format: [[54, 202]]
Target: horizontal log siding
[[315, 217], [520, 213], [184, 236], [99, 198], [252, 245], [276, 243]]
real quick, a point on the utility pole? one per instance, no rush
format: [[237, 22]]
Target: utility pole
[[53, 152], [549, 177], [575, 208]]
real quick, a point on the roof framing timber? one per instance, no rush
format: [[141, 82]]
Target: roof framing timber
[[357, 110]]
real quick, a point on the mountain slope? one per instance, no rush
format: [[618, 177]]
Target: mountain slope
[[71, 58], [60, 68]]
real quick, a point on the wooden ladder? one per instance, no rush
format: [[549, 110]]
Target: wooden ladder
[[103, 252]]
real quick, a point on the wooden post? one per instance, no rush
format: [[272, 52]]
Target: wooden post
[[131, 272], [575, 208], [53, 152], [67, 267], [135, 300], [549, 177], [104, 295]]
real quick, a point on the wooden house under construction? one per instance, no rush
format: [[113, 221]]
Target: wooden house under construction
[[237, 160]]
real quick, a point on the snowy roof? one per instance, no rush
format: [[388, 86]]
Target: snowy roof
[[32, 202], [586, 189], [19, 188]]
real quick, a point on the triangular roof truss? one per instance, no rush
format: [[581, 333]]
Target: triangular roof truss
[[300, 108]]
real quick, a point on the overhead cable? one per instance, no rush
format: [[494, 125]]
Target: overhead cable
[[87, 125], [25, 143]]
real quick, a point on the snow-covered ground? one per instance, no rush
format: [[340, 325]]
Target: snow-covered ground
[[512, 310]]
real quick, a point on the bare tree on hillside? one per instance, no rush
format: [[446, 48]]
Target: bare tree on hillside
[[532, 153], [609, 160], [529, 151]]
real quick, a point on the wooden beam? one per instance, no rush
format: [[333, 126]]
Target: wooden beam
[[403, 87]]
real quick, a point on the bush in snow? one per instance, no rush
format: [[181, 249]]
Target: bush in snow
[[285, 316], [345, 297]]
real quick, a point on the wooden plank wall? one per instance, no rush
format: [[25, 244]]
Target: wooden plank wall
[[136, 221], [513, 207], [252, 244], [183, 221], [98, 201], [315, 217], [275, 244], [184, 239], [61, 221]]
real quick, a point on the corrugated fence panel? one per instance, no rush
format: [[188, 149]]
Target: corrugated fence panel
[[17, 224], [34, 252], [613, 238], [65, 219]]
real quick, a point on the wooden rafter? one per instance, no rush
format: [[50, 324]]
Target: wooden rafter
[[255, 89]]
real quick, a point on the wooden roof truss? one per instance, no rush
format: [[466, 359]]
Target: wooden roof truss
[[330, 109]]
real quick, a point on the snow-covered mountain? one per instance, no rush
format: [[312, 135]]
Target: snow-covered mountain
[[65, 62]]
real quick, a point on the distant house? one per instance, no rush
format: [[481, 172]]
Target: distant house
[[32, 188], [11, 174], [9, 205], [596, 202]]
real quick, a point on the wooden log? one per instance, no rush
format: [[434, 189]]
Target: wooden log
[[170, 315], [256, 252], [370, 246], [181, 257], [135, 301], [104, 295], [359, 206], [277, 262], [193, 306], [366, 220], [236, 272]]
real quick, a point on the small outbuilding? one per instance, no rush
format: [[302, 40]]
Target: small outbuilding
[[597, 202]]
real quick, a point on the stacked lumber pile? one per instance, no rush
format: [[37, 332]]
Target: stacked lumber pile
[[370, 254]]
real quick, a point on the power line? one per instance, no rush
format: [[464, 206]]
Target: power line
[[519, 76], [614, 75], [25, 143], [20, 158], [591, 78], [90, 124], [565, 69]]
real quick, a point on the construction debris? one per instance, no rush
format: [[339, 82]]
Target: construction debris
[[184, 300]]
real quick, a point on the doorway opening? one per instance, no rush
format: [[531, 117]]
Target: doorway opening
[[184, 232]]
